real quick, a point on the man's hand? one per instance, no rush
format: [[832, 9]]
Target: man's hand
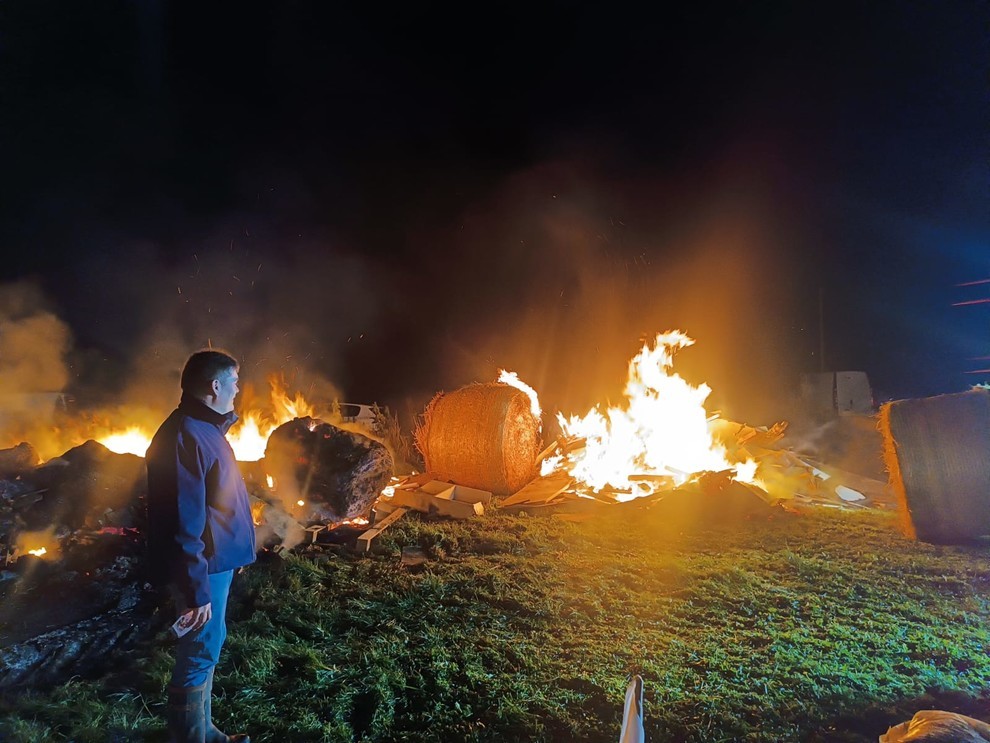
[[196, 617]]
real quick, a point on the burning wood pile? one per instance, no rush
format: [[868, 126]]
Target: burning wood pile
[[661, 449], [72, 585]]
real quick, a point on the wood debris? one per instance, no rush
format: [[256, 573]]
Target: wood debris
[[365, 540], [427, 495]]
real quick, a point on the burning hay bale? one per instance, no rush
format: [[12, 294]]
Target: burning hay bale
[[938, 726], [484, 436], [335, 474], [936, 450]]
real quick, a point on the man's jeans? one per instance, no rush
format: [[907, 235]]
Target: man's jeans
[[196, 653]]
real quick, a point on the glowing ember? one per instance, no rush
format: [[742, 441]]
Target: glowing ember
[[130, 441], [662, 433], [271, 482], [300, 503], [38, 543], [356, 521], [511, 378]]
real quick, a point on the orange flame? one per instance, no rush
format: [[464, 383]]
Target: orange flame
[[248, 438], [511, 378], [257, 509], [38, 543], [662, 432], [132, 440]]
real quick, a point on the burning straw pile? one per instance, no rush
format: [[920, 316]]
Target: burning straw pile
[[660, 446]]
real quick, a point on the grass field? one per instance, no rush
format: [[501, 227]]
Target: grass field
[[820, 626]]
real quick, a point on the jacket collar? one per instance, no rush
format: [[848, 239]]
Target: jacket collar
[[198, 409]]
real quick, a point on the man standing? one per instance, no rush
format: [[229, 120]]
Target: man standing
[[200, 531]]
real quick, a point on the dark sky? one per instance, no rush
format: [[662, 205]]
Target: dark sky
[[402, 199]]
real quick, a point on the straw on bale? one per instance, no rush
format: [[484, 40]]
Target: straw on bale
[[937, 452], [482, 435]]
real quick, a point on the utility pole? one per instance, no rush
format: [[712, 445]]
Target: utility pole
[[821, 329]]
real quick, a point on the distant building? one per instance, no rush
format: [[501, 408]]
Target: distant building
[[827, 394]]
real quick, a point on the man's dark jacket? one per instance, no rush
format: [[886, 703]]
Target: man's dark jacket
[[199, 516]]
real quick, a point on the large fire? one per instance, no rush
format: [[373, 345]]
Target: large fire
[[662, 435], [248, 438]]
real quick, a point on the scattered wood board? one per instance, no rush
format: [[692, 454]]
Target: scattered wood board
[[412, 482], [452, 491], [368, 536], [383, 507], [540, 490], [429, 503]]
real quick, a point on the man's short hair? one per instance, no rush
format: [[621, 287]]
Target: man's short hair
[[203, 367]]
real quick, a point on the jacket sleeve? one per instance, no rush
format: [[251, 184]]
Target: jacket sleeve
[[191, 574]]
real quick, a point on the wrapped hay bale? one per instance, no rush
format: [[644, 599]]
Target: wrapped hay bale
[[938, 726], [483, 436], [937, 451]]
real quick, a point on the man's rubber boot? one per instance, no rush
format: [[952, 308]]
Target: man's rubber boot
[[186, 714], [213, 733]]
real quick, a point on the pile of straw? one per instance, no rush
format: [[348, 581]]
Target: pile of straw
[[937, 451], [483, 436]]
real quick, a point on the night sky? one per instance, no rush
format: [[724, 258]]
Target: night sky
[[381, 202]]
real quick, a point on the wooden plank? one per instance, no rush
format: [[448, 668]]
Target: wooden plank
[[413, 482], [383, 506], [438, 490], [427, 503], [548, 451], [314, 530], [540, 490], [381, 525], [368, 536], [472, 495], [453, 491]]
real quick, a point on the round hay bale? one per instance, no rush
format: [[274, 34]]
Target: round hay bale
[[937, 451], [482, 435]]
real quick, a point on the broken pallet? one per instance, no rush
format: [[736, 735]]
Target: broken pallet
[[368, 536]]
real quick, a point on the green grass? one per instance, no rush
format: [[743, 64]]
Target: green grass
[[827, 626]]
